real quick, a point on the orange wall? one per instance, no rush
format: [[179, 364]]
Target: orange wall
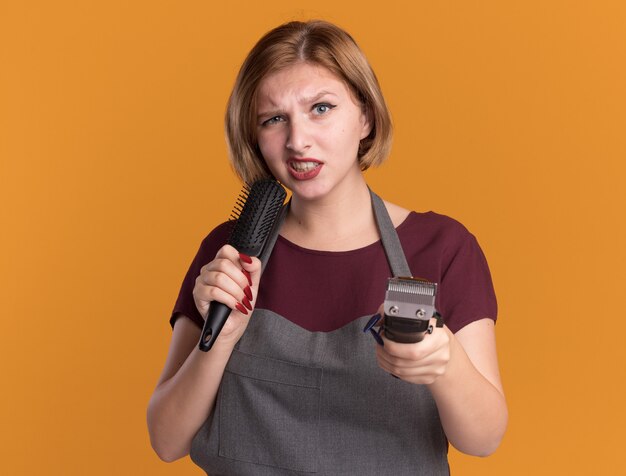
[[113, 167]]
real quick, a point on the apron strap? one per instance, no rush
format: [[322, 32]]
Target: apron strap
[[389, 238]]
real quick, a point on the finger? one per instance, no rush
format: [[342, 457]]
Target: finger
[[251, 268], [418, 350], [439, 357], [237, 287], [228, 252], [226, 267], [422, 375], [436, 344], [203, 296], [219, 286], [412, 359], [395, 362], [407, 351]]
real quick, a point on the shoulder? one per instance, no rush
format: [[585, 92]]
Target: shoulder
[[428, 227], [434, 226], [219, 234], [436, 223], [441, 249], [425, 221], [440, 237], [212, 242]]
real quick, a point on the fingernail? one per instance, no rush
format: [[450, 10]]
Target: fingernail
[[245, 258], [241, 309], [372, 322], [247, 275], [248, 292], [246, 302]]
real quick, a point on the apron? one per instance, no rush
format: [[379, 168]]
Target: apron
[[292, 401]]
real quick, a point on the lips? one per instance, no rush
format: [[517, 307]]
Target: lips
[[304, 168]]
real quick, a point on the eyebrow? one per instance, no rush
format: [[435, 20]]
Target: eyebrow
[[305, 100]]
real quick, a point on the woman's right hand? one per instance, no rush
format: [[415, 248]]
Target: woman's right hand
[[232, 279]]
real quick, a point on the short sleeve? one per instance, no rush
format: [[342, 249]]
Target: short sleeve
[[209, 247], [466, 289]]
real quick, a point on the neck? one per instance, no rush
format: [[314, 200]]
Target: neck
[[337, 222]]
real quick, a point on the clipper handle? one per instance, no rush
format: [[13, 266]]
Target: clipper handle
[[408, 331], [405, 330]]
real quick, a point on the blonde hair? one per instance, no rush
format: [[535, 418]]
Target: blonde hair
[[316, 42]]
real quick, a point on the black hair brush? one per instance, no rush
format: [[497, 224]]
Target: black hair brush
[[256, 212]]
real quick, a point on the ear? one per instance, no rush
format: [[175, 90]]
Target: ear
[[367, 123]]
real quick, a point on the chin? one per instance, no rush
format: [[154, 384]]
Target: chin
[[308, 190]]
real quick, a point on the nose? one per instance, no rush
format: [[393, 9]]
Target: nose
[[299, 139]]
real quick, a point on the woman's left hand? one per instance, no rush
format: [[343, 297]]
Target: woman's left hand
[[420, 362], [461, 372]]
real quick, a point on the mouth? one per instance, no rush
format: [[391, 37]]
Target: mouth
[[305, 168]]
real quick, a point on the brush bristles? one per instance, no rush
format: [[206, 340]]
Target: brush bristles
[[255, 213], [239, 204]]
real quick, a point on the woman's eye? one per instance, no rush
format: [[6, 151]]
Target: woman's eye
[[272, 120], [322, 108]]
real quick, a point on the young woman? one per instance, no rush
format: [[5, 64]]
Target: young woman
[[293, 384]]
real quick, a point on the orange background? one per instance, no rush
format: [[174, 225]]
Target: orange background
[[510, 116]]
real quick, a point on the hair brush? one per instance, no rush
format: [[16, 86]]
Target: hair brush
[[255, 213]]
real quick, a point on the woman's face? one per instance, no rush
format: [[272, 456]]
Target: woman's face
[[309, 127]]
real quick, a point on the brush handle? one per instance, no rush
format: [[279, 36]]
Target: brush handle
[[216, 317]]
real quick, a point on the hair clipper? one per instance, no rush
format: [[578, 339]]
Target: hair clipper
[[409, 306]]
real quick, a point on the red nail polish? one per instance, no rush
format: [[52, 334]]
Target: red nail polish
[[246, 302], [245, 258], [241, 309], [247, 275], [248, 292]]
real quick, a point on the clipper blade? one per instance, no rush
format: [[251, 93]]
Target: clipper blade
[[409, 306]]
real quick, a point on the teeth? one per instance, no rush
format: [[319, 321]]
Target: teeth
[[303, 166]]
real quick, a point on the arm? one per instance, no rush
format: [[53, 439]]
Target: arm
[[185, 393], [469, 394], [461, 371]]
